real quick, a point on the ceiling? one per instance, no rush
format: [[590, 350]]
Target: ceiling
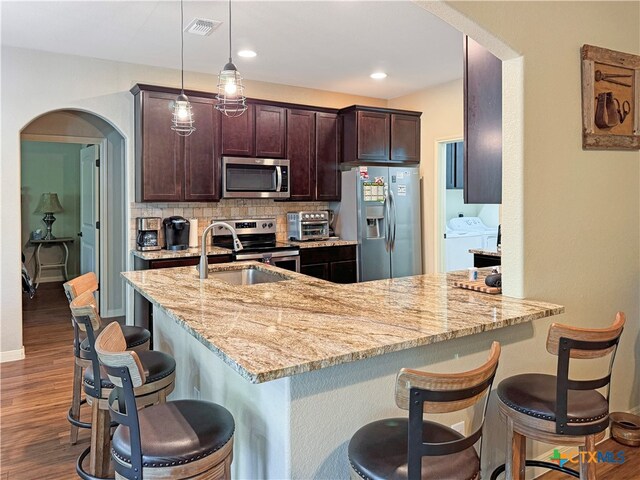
[[330, 45]]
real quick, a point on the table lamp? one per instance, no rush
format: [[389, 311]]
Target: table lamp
[[49, 204]]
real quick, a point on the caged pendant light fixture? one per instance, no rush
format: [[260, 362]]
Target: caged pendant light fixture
[[231, 98], [182, 119]]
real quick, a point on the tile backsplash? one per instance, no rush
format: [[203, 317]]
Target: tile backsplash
[[224, 209]]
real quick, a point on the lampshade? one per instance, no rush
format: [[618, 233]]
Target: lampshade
[[49, 203], [231, 99]]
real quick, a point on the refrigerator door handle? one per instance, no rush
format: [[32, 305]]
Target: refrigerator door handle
[[393, 216], [387, 221]]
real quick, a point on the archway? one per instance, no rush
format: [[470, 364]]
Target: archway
[[70, 130]]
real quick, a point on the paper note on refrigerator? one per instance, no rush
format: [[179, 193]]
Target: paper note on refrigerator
[[402, 190]]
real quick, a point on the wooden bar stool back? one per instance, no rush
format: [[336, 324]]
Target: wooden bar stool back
[[159, 382], [178, 440], [138, 338], [556, 409], [397, 448]]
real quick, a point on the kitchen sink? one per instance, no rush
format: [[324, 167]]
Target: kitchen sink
[[247, 276]]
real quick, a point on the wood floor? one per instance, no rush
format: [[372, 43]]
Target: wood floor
[[35, 395]]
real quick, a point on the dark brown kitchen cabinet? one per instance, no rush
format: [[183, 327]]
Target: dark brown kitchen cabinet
[[373, 136], [380, 135], [328, 153], [482, 124], [169, 167], [238, 137], [201, 165], [316, 270], [271, 127], [159, 167], [335, 264], [405, 138], [301, 153]]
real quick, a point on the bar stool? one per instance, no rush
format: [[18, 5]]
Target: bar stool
[[159, 371], [414, 448], [178, 440], [137, 338], [556, 409]]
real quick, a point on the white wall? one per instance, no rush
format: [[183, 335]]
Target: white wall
[[442, 120], [51, 167]]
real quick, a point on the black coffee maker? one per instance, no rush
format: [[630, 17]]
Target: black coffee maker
[[176, 233]]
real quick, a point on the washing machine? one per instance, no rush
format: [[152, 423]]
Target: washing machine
[[463, 234]]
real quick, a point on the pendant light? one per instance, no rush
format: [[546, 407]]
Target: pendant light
[[182, 121], [231, 98]]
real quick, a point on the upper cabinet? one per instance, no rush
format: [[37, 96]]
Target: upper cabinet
[[405, 138], [482, 125], [377, 135], [238, 137], [302, 155], [258, 132], [328, 154], [171, 168], [271, 127], [313, 148]]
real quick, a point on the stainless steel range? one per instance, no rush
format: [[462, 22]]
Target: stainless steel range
[[258, 237]]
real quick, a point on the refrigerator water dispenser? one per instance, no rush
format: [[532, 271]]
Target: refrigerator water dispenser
[[375, 222]]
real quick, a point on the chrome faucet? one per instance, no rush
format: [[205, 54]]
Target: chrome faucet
[[204, 264]]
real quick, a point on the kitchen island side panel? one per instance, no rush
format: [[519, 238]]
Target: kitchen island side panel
[[261, 412]]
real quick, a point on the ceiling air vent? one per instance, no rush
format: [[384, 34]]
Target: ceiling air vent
[[202, 26]]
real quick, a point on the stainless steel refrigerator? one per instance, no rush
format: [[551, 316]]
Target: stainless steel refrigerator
[[380, 208]]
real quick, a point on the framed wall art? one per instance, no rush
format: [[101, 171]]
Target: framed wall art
[[610, 99]]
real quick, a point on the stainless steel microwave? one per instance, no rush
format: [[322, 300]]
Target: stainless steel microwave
[[255, 178]]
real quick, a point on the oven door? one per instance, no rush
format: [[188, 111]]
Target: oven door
[[255, 178], [314, 230]]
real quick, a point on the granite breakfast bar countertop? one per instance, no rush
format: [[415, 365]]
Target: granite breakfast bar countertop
[[273, 330]]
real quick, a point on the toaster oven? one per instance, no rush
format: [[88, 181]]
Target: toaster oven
[[303, 226]]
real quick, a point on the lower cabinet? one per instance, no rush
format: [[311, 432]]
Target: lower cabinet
[[142, 309], [335, 264]]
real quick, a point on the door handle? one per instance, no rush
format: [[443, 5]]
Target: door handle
[[392, 209], [387, 221], [278, 178], [79, 234]]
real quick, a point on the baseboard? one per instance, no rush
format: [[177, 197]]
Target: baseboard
[[12, 355]]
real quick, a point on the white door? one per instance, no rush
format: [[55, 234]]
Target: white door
[[89, 210]]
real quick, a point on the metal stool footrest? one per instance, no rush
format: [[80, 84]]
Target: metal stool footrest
[[75, 421], [80, 424], [80, 470], [540, 464]]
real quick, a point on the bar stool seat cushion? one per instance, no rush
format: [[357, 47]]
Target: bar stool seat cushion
[[157, 365], [175, 433], [378, 451], [134, 336], [534, 394]]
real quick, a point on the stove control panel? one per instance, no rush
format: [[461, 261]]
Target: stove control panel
[[251, 226]]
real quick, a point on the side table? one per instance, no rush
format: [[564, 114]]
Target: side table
[[59, 242]]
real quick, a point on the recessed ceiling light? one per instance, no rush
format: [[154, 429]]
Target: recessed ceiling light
[[247, 53], [378, 75]]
